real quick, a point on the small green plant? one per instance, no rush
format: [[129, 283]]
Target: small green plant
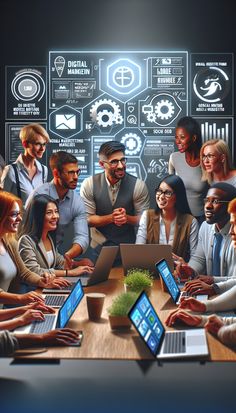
[[121, 304], [138, 280]]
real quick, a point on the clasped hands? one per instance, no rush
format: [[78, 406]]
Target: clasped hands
[[119, 216]]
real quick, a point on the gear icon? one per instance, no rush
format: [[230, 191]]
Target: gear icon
[[104, 104], [164, 109], [105, 118], [118, 119], [151, 117], [132, 142]]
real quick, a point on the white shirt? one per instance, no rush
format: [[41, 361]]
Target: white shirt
[[142, 232]]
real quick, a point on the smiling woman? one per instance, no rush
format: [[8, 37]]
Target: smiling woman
[[12, 268], [171, 222], [37, 243], [186, 163]]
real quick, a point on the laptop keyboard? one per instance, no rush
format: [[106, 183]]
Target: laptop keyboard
[[39, 327], [55, 300], [175, 342]]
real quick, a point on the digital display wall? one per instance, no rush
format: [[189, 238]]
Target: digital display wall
[[87, 98]]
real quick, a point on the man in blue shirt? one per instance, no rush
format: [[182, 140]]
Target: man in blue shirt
[[65, 172]]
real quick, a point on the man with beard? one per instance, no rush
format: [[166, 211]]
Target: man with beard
[[65, 170], [114, 199]]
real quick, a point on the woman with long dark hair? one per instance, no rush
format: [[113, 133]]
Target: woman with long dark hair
[[37, 243], [171, 222], [186, 164], [12, 268]]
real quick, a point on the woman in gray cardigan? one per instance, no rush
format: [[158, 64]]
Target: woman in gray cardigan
[[37, 245]]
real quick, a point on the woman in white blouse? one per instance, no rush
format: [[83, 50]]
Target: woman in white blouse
[[171, 222], [37, 243]]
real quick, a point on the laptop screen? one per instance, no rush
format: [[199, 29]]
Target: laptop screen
[[70, 305], [168, 278], [147, 323]]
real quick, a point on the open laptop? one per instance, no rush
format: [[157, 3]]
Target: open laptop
[[171, 284], [58, 320], [145, 256], [162, 343], [100, 273]]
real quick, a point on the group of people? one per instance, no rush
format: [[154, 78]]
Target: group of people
[[113, 207]]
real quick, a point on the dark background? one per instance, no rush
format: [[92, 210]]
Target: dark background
[[28, 30]]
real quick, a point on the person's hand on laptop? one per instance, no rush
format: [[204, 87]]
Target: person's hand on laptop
[[29, 316], [84, 269], [199, 287], [192, 304], [183, 316], [40, 306], [30, 297], [46, 278], [58, 282], [213, 324], [208, 279], [59, 337]]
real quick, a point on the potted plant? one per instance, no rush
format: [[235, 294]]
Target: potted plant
[[138, 280], [119, 309]]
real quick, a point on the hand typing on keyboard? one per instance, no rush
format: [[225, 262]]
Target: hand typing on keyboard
[[199, 287], [29, 316], [40, 306], [192, 304], [183, 317], [58, 283]]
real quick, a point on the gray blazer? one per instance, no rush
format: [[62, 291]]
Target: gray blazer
[[35, 256]]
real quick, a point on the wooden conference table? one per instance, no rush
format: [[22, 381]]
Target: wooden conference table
[[100, 342]]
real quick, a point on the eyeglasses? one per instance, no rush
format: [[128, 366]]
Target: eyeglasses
[[72, 173], [167, 194], [209, 157], [15, 215], [115, 162], [214, 201]]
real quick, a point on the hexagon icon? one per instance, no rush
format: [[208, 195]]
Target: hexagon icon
[[123, 76], [65, 122]]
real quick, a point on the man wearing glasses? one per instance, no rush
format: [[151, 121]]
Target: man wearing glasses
[[26, 173], [114, 199], [65, 170], [214, 256]]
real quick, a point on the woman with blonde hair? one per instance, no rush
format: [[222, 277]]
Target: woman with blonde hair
[[12, 268], [27, 173], [216, 163]]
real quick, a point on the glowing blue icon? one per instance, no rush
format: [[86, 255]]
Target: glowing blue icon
[[123, 76]]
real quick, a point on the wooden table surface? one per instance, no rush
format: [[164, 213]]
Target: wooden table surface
[[100, 342]]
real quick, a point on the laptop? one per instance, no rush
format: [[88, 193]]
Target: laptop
[[54, 300], [100, 273], [145, 256], [171, 284], [59, 320], [162, 343]]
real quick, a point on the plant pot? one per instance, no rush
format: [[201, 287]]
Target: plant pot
[[119, 322]]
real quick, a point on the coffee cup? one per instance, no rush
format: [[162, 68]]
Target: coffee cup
[[95, 303]]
